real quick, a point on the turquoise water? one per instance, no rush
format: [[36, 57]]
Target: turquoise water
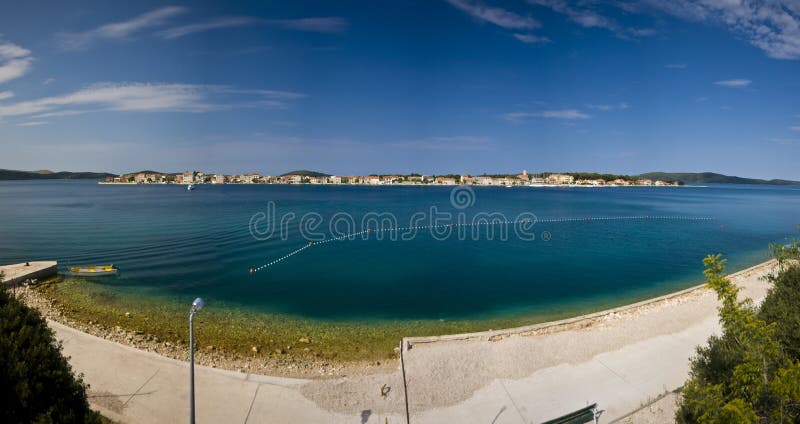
[[173, 244]]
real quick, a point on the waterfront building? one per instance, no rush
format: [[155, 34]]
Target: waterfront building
[[560, 179]]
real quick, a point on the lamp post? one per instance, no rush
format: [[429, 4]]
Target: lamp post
[[196, 306]]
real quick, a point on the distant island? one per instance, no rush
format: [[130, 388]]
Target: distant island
[[710, 177], [8, 174], [304, 176]]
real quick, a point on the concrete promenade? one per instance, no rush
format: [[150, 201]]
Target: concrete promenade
[[620, 359], [16, 274]]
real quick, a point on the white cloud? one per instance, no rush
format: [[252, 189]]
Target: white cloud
[[495, 15], [32, 124], [773, 26], [144, 97], [734, 83], [607, 107], [328, 25], [569, 114], [585, 15], [15, 61], [6, 94], [48, 81], [225, 22], [675, 66], [119, 30], [531, 39], [325, 25], [794, 128]]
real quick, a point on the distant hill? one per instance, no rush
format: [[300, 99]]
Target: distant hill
[[148, 171], [710, 177], [306, 173], [8, 174]]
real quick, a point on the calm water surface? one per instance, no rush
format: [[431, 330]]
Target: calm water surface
[[174, 244]]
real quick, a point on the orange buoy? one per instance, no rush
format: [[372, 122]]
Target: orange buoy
[[311, 243], [252, 271]]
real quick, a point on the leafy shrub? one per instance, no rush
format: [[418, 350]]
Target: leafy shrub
[[745, 375], [36, 382]]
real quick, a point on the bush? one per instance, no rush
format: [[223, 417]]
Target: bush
[[36, 382], [745, 375], [782, 306]]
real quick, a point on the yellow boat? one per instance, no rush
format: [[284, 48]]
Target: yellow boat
[[93, 270]]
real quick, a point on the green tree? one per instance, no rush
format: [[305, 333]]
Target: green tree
[[36, 382], [744, 375], [783, 298]]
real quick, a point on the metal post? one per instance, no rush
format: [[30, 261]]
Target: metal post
[[191, 366], [196, 306]]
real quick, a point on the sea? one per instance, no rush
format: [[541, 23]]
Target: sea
[[376, 253]]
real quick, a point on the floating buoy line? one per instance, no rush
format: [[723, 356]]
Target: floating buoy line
[[477, 224]]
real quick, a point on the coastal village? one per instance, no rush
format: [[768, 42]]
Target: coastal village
[[306, 177]]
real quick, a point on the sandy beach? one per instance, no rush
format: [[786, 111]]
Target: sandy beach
[[623, 358]]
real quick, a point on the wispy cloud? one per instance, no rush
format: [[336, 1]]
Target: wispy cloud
[[772, 26], [785, 141], [31, 124], [585, 15], [48, 81], [568, 114], [794, 128], [219, 23], [15, 61], [329, 25], [531, 39], [675, 66], [608, 107], [734, 83], [324, 25], [144, 97], [119, 30], [6, 94], [495, 15]]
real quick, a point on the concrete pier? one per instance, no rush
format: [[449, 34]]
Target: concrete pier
[[15, 274]]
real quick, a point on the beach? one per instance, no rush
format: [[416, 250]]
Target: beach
[[622, 358]]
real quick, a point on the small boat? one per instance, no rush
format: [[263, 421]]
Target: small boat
[[93, 270], [190, 187]]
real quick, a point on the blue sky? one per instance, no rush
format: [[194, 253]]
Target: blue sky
[[380, 87]]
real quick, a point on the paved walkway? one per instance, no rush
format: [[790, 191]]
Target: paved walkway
[[520, 379], [133, 386]]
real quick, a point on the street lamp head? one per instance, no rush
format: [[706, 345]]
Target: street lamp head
[[198, 304]]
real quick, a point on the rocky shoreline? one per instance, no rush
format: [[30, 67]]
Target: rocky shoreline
[[279, 362]]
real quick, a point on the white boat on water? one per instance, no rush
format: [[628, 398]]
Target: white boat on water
[[190, 187]]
